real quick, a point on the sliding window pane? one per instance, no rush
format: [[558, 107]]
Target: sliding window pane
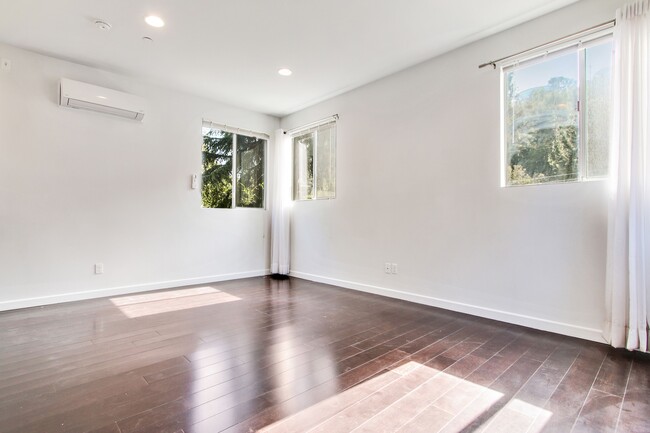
[[250, 171], [541, 121], [216, 190], [596, 108], [303, 170], [326, 162]]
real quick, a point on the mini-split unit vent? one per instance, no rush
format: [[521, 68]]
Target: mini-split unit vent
[[75, 94]]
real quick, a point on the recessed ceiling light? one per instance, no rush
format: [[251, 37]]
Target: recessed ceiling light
[[102, 25], [285, 72], [154, 21]]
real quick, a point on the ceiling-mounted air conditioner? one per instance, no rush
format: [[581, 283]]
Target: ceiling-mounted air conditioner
[[75, 94]]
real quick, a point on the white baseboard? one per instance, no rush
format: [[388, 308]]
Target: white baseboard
[[124, 290], [475, 310]]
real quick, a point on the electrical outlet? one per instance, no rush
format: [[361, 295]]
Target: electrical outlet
[[387, 268], [393, 268], [99, 268], [5, 65]]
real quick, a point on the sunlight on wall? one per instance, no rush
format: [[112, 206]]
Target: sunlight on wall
[[408, 398], [169, 301]]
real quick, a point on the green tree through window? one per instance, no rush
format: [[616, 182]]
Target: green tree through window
[[250, 171], [542, 117], [314, 163], [217, 179]]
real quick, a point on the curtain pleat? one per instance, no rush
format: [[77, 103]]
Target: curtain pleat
[[629, 208], [281, 204]]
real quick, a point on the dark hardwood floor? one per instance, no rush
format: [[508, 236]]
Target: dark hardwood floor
[[295, 356]]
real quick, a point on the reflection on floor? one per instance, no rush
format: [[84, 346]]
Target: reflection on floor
[[295, 356]]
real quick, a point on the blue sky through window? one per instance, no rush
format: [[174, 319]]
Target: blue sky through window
[[538, 74]]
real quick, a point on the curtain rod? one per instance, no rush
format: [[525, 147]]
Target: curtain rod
[[590, 30], [236, 130], [332, 118]]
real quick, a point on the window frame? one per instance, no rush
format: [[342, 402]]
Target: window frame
[[580, 47], [313, 129], [236, 132]]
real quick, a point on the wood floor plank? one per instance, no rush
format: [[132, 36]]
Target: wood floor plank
[[369, 407], [636, 402], [600, 412], [292, 356], [567, 400]]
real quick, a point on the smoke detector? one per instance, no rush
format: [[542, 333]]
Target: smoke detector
[[102, 25]]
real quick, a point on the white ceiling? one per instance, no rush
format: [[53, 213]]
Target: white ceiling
[[230, 50]]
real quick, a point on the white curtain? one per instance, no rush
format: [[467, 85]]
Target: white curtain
[[281, 204], [629, 211]]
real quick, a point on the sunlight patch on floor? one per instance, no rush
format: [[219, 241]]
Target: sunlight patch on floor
[[517, 416], [174, 300], [409, 398]]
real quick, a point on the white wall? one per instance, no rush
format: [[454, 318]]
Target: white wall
[[78, 188], [418, 185]]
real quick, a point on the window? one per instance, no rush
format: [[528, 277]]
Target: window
[[556, 116], [314, 163], [232, 162]]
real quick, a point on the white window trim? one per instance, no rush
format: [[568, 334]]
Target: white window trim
[[318, 123], [240, 131], [235, 130], [579, 46], [307, 129], [575, 44]]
